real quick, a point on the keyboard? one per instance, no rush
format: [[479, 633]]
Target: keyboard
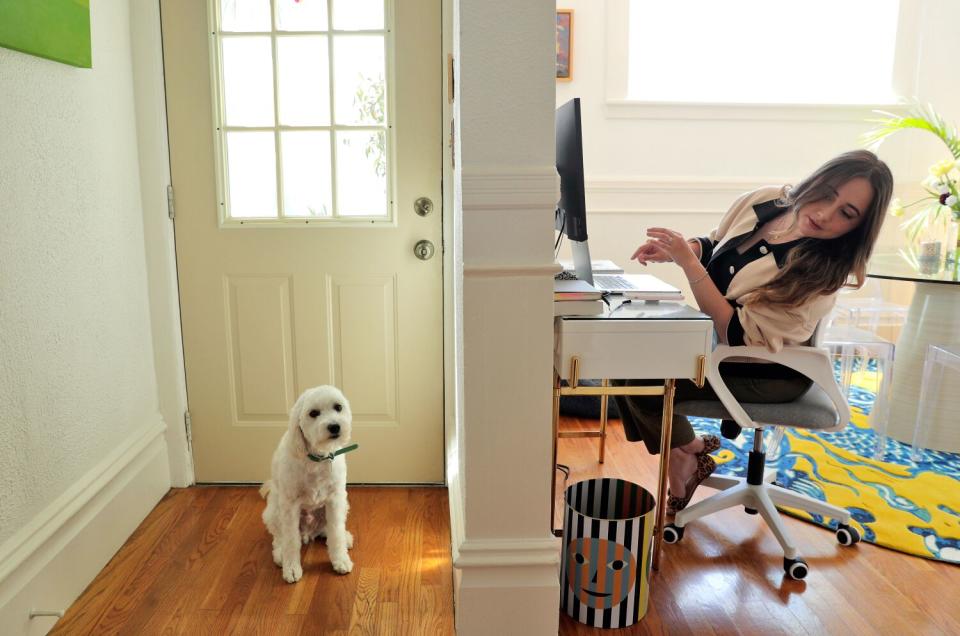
[[612, 282]]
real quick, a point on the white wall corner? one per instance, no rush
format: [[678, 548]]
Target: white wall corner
[[51, 560]]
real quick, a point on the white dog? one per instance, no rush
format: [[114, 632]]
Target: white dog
[[307, 491]]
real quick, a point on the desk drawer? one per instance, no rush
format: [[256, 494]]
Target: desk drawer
[[625, 349]]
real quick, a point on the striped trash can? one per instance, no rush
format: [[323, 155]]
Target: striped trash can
[[606, 552]]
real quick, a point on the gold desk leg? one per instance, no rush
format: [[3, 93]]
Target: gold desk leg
[[669, 388], [553, 463], [603, 418]]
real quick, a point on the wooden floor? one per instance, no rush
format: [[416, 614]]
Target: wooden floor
[[200, 564], [726, 575]]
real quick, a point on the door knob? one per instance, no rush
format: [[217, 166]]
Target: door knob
[[423, 250]]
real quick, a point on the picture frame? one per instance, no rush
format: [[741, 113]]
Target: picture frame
[[57, 30], [564, 45]]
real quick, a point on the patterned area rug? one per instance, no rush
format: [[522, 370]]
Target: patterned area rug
[[913, 507]]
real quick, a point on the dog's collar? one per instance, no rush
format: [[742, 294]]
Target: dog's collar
[[330, 456]]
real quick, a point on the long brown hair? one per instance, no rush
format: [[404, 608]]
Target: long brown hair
[[823, 266]]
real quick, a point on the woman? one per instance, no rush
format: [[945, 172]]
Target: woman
[[766, 276]]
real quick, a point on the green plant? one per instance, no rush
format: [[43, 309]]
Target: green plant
[[942, 202], [370, 103]]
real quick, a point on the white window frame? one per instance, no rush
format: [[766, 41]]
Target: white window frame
[[220, 128], [620, 106]]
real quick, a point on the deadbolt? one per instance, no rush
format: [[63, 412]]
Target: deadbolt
[[423, 250], [423, 206]]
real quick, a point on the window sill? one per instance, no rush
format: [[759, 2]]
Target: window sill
[[636, 109]]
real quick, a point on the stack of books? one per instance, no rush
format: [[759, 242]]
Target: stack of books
[[576, 298]]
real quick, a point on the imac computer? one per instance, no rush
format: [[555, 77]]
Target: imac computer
[[571, 214]]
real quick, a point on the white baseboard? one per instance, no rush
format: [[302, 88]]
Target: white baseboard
[[503, 587], [49, 562]]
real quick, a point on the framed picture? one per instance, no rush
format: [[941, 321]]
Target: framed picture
[[55, 29], [565, 44]]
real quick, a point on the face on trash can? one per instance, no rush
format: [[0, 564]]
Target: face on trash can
[[601, 572]]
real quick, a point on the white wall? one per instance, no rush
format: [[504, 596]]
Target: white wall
[[77, 382], [684, 172]]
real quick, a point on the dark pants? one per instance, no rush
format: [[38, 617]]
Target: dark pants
[[643, 414]]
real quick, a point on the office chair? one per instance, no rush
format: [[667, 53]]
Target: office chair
[[822, 408]]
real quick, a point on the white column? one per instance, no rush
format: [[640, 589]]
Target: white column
[[505, 559]]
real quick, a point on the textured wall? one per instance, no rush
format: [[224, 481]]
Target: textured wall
[[76, 360]]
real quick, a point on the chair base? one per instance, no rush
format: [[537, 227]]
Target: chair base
[[764, 498]]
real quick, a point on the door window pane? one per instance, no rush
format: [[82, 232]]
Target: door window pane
[[303, 69], [248, 81], [245, 15], [361, 173], [359, 76], [302, 15], [252, 174], [306, 173], [357, 15]]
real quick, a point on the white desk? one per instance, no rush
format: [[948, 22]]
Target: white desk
[[637, 340]]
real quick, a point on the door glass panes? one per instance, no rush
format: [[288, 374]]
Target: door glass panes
[[306, 173], [252, 174], [359, 79], [304, 123], [361, 172], [302, 15], [248, 81], [357, 15], [245, 15], [304, 77]]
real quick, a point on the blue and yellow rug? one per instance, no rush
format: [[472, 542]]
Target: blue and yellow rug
[[913, 507]]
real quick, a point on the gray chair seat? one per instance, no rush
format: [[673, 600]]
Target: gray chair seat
[[812, 410]]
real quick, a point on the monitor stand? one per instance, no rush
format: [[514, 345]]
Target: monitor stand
[[581, 261]]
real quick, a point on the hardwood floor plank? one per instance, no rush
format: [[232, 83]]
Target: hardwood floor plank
[[364, 618]]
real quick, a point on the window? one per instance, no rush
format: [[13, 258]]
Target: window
[[762, 51], [302, 112]]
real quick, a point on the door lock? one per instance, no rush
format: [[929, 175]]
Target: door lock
[[423, 206], [424, 250]]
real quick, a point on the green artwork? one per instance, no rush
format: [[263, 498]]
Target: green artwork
[[55, 29]]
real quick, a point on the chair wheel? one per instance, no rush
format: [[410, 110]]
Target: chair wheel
[[730, 429], [847, 535], [796, 569], [672, 533], [750, 511]]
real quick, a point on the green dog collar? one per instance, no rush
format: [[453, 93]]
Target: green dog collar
[[330, 456]]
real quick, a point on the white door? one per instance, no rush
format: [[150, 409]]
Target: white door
[[302, 132]]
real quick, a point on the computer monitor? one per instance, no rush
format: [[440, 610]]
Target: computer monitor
[[571, 214]]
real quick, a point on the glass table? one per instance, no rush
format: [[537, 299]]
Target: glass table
[[933, 318]]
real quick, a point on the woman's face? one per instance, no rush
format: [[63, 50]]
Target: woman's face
[[838, 213]]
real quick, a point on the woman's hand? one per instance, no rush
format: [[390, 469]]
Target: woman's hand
[[650, 253], [665, 246]]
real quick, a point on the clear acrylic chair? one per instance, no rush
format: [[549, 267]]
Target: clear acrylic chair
[[856, 347], [937, 360], [866, 308]]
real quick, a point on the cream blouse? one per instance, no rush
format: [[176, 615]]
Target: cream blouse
[[764, 324]]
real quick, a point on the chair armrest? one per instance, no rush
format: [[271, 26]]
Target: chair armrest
[[812, 362]]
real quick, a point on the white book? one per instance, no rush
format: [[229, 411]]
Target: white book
[[578, 307], [568, 290]]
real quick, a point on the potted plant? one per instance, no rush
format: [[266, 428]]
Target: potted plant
[[941, 204]]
